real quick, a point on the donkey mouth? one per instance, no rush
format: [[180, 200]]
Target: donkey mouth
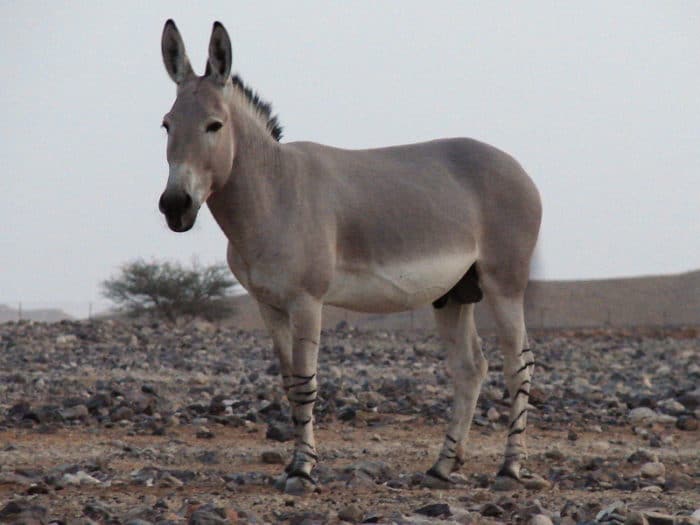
[[180, 223]]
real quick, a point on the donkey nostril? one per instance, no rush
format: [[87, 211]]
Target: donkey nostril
[[174, 202]]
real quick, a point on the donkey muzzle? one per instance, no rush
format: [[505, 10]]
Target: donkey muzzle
[[178, 208]]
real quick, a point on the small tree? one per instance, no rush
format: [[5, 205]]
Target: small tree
[[169, 289]]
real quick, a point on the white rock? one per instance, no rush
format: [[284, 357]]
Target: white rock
[[665, 419], [600, 446], [610, 509], [492, 414], [672, 406], [696, 514], [646, 415], [640, 414], [80, 478], [75, 412], [199, 378], [663, 370], [540, 519], [66, 339], [653, 469]]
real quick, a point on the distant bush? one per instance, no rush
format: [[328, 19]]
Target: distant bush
[[170, 290]]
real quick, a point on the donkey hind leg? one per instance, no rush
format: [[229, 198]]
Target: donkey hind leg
[[518, 363], [305, 324], [468, 365]]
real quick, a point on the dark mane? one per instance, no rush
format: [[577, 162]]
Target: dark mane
[[263, 108]]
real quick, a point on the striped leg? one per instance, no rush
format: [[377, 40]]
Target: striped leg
[[278, 325], [468, 366], [302, 390], [518, 362]]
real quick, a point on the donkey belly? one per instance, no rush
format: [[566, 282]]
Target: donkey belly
[[398, 286]]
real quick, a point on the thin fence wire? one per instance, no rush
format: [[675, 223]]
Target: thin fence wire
[[19, 310]]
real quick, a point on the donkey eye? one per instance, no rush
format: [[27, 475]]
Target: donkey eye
[[214, 126]]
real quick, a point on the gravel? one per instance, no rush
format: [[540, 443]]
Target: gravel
[[114, 410]]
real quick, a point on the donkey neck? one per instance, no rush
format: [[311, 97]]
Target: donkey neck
[[246, 204]]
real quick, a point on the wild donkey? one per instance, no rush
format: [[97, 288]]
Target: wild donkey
[[379, 230]]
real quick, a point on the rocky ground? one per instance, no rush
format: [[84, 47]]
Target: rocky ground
[[137, 423]]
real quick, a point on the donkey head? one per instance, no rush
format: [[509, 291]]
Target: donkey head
[[200, 136]]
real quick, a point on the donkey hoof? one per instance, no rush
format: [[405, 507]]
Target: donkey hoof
[[297, 485], [432, 479]]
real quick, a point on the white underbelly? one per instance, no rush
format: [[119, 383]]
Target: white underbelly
[[397, 287]]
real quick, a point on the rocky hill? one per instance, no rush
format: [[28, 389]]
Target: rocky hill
[[671, 300]]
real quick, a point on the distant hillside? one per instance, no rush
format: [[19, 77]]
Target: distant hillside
[[45, 315], [635, 301]]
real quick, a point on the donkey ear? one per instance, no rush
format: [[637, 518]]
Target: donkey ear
[[174, 56], [220, 55]]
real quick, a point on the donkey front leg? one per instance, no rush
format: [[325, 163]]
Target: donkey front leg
[[305, 318]]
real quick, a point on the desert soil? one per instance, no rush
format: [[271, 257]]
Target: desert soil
[[143, 422]]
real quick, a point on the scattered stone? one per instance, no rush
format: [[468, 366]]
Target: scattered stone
[[659, 518], [204, 433], [555, 454], [97, 511], [491, 510], [272, 457], [351, 513], [691, 399], [533, 481], [612, 511], [641, 456], [75, 412], [505, 483], [122, 413], [209, 514], [689, 423], [80, 478], [540, 519], [671, 406], [347, 414], [653, 470], [435, 510], [303, 518], [169, 481], [639, 414], [20, 512], [66, 339], [493, 415], [600, 446], [636, 518], [279, 432]]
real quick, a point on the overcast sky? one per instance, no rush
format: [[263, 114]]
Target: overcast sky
[[600, 102]]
